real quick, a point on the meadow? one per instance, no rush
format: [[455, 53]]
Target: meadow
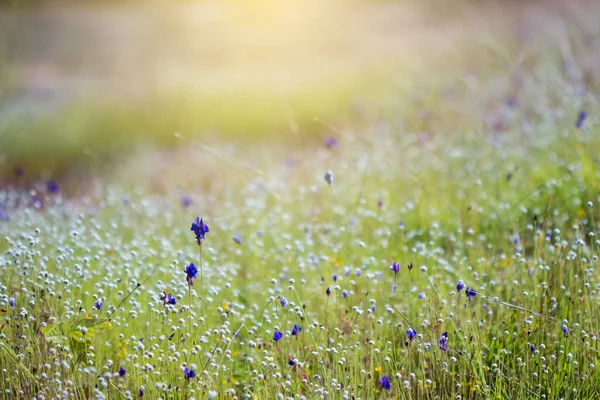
[[442, 245]]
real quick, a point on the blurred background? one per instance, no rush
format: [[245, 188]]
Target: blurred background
[[89, 81]]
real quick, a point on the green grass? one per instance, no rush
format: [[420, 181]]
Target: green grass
[[504, 198]]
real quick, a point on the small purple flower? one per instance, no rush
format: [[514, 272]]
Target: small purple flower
[[411, 333], [296, 330], [291, 363], [565, 330], [283, 301], [141, 393], [358, 272], [328, 291], [394, 287], [384, 383], [329, 178], [237, 238], [331, 142], [126, 201], [186, 201], [422, 296], [191, 273], [460, 285], [470, 292], [12, 302], [347, 271], [373, 309], [277, 336], [443, 341], [395, 267], [52, 187], [345, 294], [335, 277], [189, 374], [532, 348], [581, 117], [122, 372], [200, 229], [168, 299], [98, 304], [516, 240]]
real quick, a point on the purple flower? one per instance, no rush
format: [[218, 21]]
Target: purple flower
[[296, 330], [411, 333], [422, 296], [565, 330], [328, 291], [52, 187], [168, 299], [331, 142], [532, 348], [126, 201], [291, 363], [191, 272], [329, 178], [384, 383], [345, 294], [12, 302], [470, 292], [358, 272], [200, 229], [277, 336], [186, 201], [141, 392], [394, 287], [98, 304], [335, 277], [460, 285], [122, 372], [283, 301], [237, 238], [516, 240], [443, 341], [347, 271], [395, 267], [189, 373], [581, 117]]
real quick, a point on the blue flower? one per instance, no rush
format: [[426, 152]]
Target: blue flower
[[189, 373], [443, 341], [345, 294], [532, 348], [291, 363], [335, 277], [296, 330], [12, 302], [98, 304], [460, 285], [237, 238], [411, 333], [141, 392], [581, 119], [394, 287], [167, 299], [384, 383], [52, 187], [122, 372], [395, 267], [186, 201], [470, 292], [191, 271], [283, 301], [565, 330], [200, 229], [277, 336]]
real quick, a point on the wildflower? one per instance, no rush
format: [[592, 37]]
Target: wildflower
[[443, 341], [379, 204], [331, 142], [52, 187], [212, 394], [283, 301], [422, 296], [277, 336], [329, 178], [237, 238], [296, 330], [470, 292], [167, 299], [532, 348], [395, 267], [565, 330], [200, 229], [411, 333], [516, 240], [358, 272], [291, 363], [186, 201], [347, 271], [126, 201], [12, 302], [328, 291], [98, 304], [345, 294], [384, 383], [189, 373], [335, 277], [122, 372], [581, 119], [460, 285], [394, 287], [191, 272], [141, 393]]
